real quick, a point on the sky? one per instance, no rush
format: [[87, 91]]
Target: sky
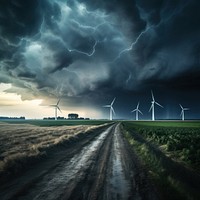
[[86, 53]]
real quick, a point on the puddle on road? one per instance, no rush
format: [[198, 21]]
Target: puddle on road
[[119, 187], [53, 185]]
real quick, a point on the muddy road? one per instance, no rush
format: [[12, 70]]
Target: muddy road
[[98, 167]]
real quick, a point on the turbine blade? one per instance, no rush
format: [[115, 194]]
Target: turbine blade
[[52, 105], [186, 109], [138, 105], [152, 96], [58, 109], [58, 102], [181, 106], [151, 107], [140, 112], [133, 110], [158, 104], [113, 101], [112, 110], [106, 106]]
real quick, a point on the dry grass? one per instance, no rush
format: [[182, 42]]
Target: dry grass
[[22, 143]]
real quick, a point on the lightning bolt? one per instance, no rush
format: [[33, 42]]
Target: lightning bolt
[[94, 28], [8, 43], [132, 44], [85, 53], [147, 29], [129, 78], [90, 30]]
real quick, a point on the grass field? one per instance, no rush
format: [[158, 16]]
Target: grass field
[[48, 123]]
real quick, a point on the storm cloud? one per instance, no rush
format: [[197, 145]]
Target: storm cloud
[[94, 49]]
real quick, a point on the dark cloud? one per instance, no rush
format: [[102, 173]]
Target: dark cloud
[[96, 49], [19, 18]]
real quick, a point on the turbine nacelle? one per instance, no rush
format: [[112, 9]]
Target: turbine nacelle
[[112, 111], [182, 111], [153, 102], [137, 111], [56, 107]]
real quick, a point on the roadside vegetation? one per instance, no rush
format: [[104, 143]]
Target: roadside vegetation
[[171, 153]]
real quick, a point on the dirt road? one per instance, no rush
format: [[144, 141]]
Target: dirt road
[[98, 167]]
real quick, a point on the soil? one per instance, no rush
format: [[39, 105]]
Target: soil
[[97, 166]]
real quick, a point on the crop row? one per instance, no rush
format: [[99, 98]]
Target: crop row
[[182, 144], [171, 178]]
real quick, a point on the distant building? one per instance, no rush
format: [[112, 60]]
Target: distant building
[[12, 118], [49, 118], [53, 118], [60, 118], [72, 116]]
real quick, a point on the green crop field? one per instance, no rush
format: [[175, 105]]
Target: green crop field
[[189, 124], [180, 140], [171, 151]]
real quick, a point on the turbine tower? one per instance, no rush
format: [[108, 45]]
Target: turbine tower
[[137, 111], [56, 107], [182, 112], [111, 108], [152, 108]]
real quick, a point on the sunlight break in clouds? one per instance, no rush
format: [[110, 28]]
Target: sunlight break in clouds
[[12, 105]]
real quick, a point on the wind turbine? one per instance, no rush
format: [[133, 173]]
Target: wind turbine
[[152, 106], [56, 107], [137, 111], [111, 108], [182, 112]]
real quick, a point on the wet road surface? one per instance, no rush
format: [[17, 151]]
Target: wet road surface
[[104, 168]]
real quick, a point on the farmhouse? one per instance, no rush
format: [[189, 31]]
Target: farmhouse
[[72, 116]]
